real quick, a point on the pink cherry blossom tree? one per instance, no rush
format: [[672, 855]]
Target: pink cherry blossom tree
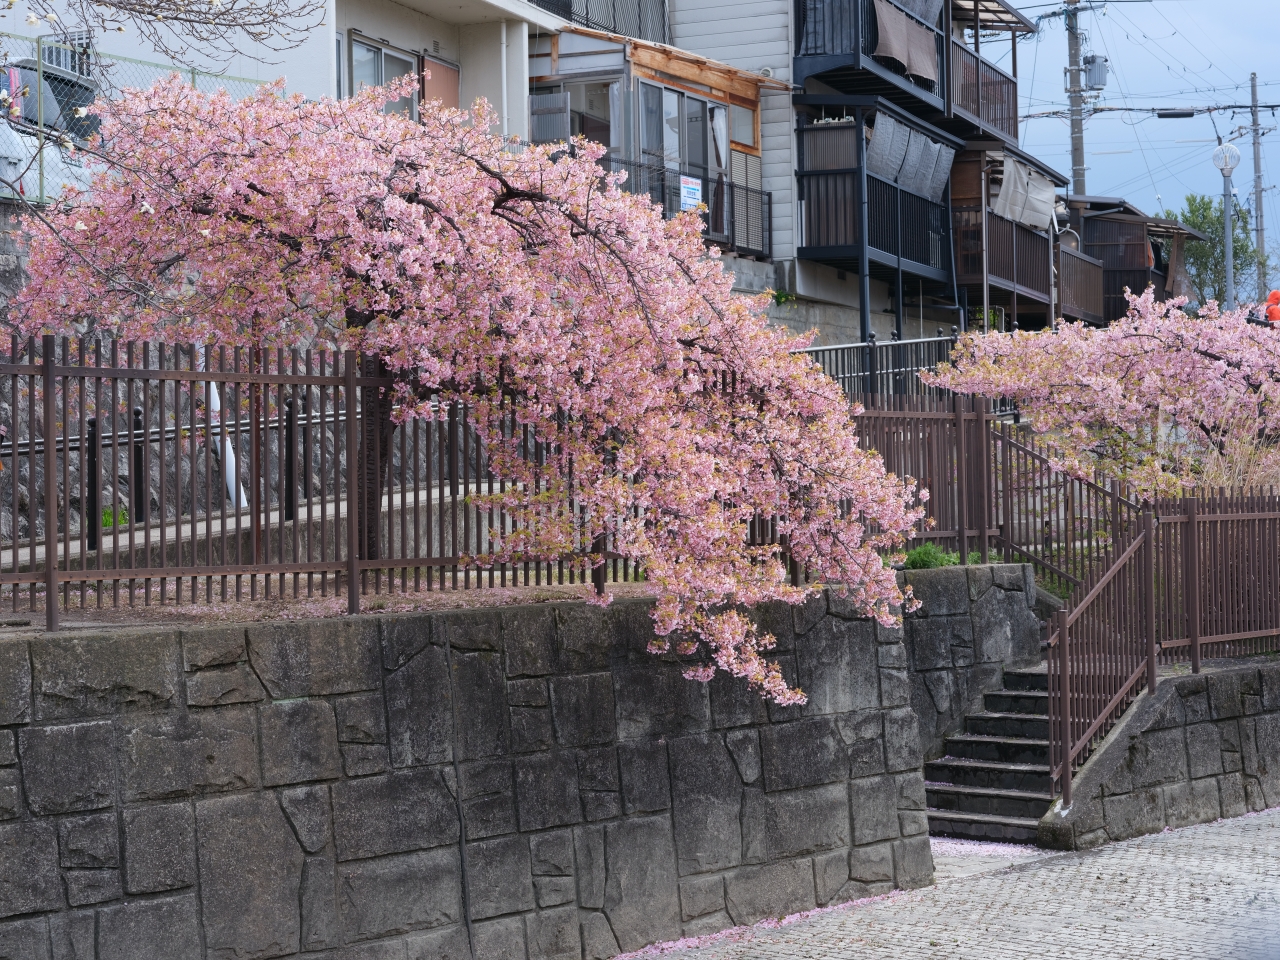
[[1164, 399], [478, 274]]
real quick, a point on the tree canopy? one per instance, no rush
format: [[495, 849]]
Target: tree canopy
[[1206, 261], [480, 274]]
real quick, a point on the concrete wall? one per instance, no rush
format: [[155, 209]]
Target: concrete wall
[[1201, 748], [518, 781]]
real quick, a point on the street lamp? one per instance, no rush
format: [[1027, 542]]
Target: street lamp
[[1226, 158]]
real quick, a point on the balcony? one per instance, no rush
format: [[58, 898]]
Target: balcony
[[983, 93], [738, 219], [838, 39], [1080, 286], [641, 19], [1017, 256], [904, 230]]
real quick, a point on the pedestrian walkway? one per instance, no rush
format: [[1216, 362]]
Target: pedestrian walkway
[[1209, 891]]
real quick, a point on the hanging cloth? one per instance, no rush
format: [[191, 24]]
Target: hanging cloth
[[911, 44]]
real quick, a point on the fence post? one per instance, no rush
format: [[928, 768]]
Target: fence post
[[872, 375], [1191, 578], [290, 504], [49, 345], [353, 472], [136, 482], [1064, 705], [1149, 591], [92, 510], [988, 495], [962, 488]]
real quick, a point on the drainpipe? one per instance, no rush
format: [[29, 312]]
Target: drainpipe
[[503, 35], [986, 275]]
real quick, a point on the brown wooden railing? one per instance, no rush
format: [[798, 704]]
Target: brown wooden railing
[[1015, 253], [984, 92], [1079, 286]]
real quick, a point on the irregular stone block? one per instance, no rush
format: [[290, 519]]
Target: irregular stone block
[[1158, 756], [71, 935], [361, 718], [15, 682], [130, 931], [220, 646], [551, 854], [222, 685], [911, 795], [892, 655], [159, 848], [901, 740], [836, 661], [1172, 713], [320, 926], [175, 755], [700, 896], [872, 863], [97, 675], [250, 871], [711, 923], [640, 892], [583, 642], [980, 581], [707, 799], [89, 843], [873, 802], [499, 877], [803, 754], [598, 769], [1183, 807], [598, 941], [8, 749], [553, 935], [830, 875], [794, 823], [1204, 750], [942, 592], [449, 943], [1005, 630], [554, 891], [471, 629], [1224, 695], [734, 703], [654, 700], [308, 811], [589, 866], [25, 940], [488, 799], [913, 862], [912, 822], [774, 890], [1269, 681], [744, 747], [500, 939], [480, 690], [299, 742], [1195, 704], [10, 795], [404, 637], [530, 729], [1133, 814], [529, 693], [646, 785], [408, 810], [65, 769], [401, 893], [364, 759], [895, 688], [547, 791], [396, 950], [931, 640], [600, 806], [528, 637], [778, 713], [92, 886], [582, 708], [420, 710], [807, 615], [315, 659], [1231, 793]]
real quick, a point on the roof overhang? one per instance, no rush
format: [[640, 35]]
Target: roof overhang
[[992, 15], [1035, 163]]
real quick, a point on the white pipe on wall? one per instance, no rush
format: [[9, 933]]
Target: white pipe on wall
[[503, 35]]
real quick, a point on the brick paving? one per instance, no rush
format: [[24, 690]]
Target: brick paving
[[1209, 891]]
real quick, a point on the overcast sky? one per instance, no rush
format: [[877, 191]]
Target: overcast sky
[[1163, 53]]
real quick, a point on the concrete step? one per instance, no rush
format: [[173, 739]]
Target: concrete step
[[985, 773], [1034, 702], [988, 800], [1007, 725], [972, 746], [981, 826], [1036, 678]]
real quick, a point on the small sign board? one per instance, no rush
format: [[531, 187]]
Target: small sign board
[[690, 193]]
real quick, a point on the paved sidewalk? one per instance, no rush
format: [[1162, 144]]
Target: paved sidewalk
[[1210, 891]]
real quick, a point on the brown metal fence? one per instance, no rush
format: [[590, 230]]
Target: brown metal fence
[[183, 474]]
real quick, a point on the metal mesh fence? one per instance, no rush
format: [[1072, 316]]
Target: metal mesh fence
[[45, 82]]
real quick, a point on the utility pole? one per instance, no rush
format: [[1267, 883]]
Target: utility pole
[[1259, 231], [1075, 96]]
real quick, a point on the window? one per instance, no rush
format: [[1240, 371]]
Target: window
[[338, 61], [372, 66], [743, 121]]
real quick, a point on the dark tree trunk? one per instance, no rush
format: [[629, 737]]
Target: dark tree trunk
[[374, 456]]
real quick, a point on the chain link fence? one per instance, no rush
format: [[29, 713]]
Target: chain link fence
[[44, 86]]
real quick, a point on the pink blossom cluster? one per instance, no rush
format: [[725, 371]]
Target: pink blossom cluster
[[482, 274], [1162, 398]]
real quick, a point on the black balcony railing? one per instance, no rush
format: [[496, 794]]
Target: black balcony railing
[[834, 27], [892, 367], [641, 19], [984, 91], [738, 219]]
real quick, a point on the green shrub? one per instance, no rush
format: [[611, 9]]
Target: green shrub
[[930, 555], [115, 518]]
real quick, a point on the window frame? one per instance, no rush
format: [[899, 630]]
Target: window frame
[[355, 36]]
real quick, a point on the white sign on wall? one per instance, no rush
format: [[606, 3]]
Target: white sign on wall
[[690, 193]]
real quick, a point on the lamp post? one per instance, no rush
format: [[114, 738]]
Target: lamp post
[[1226, 158]]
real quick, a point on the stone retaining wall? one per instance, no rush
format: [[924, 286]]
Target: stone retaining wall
[[1203, 747], [497, 783]]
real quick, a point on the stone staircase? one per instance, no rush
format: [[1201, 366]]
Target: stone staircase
[[993, 783]]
